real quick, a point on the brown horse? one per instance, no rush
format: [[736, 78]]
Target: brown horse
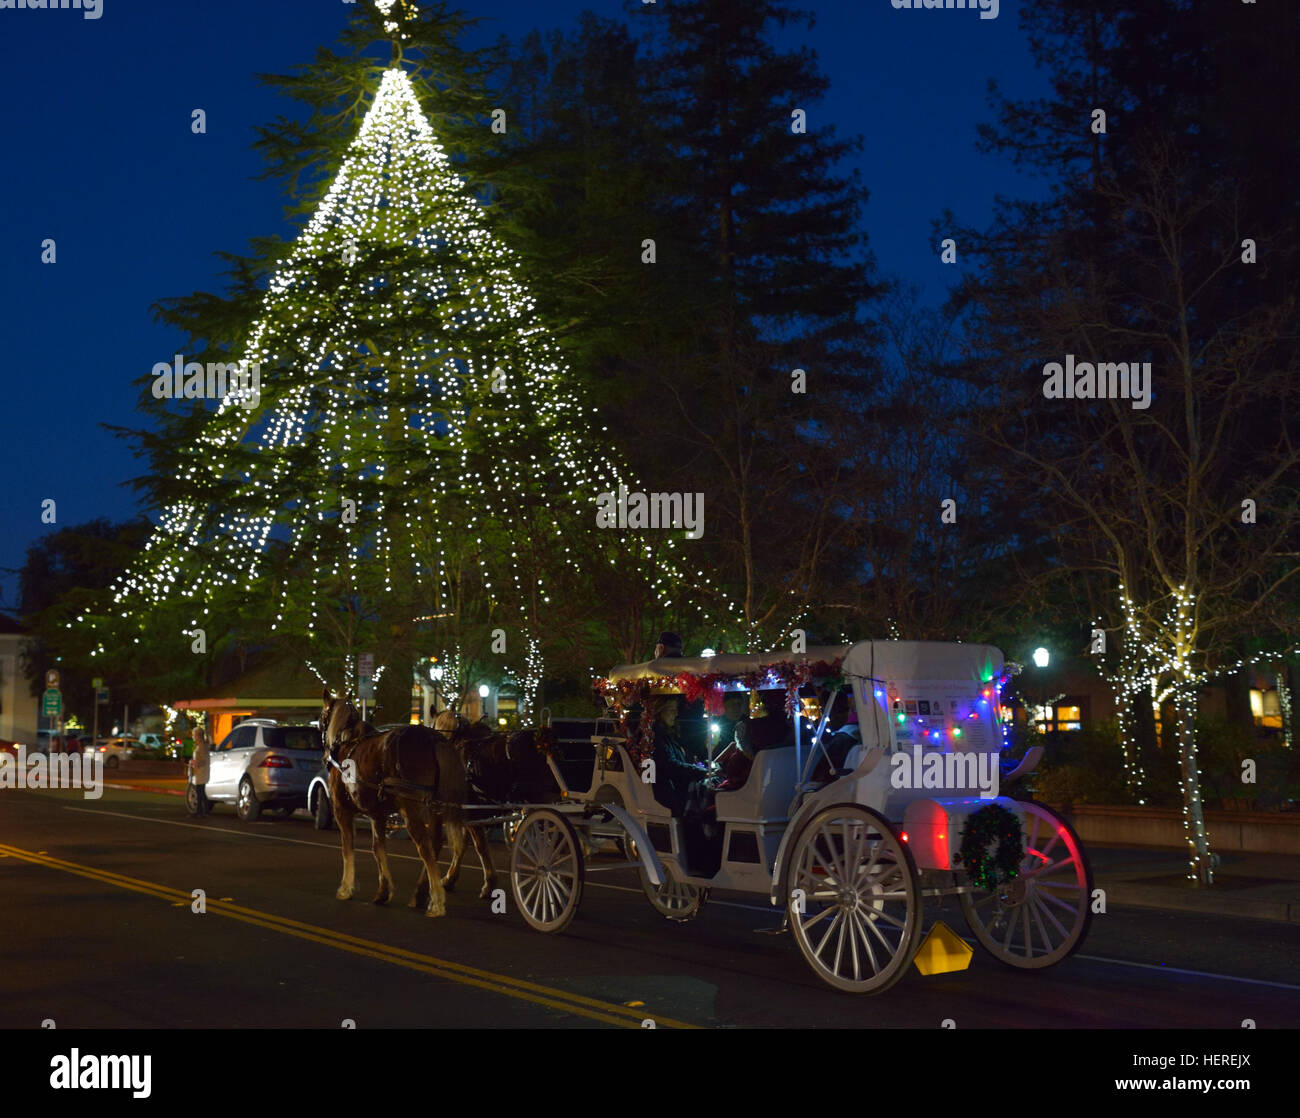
[[412, 770], [499, 769]]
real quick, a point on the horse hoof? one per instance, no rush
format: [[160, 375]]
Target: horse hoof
[[380, 898], [418, 902], [433, 912], [344, 894], [487, 890]]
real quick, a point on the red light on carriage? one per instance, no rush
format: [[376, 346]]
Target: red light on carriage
[[903, 835]]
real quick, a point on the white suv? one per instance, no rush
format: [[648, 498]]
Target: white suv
[[261, 763]]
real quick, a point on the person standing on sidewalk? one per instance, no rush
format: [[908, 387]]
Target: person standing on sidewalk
[[199, 768]]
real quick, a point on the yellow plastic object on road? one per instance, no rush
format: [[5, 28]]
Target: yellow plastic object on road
[[942, 950]]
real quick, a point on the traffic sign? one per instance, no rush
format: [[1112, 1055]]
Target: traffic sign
[[101, 695], [52, 677], [97, 683], [52, 703], [366, 676]]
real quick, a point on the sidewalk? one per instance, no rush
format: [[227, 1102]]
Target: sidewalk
[[164, 786], [1260, 886]]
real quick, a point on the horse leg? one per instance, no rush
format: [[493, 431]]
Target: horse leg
[[423, 835], [457, 856], [379, 847], [345, 814], [479, 838]]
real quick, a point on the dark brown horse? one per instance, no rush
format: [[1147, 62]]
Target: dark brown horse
[[499, 769], [412, 770]]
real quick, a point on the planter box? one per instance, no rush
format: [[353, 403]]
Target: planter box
[[1261, 832]]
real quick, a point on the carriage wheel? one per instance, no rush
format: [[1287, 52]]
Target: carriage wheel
[[858, 918], [1042, 916], [546, 871], [675, 900]]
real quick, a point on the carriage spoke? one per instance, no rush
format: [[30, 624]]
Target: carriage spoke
[[866, 942], [1039, 907], [1029, 935], [834, 924], [839, 944], [1062, 905], [840, 875], [825, 912]]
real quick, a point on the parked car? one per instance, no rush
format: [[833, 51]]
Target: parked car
[[261, 763], [153, 741], [116, 750]]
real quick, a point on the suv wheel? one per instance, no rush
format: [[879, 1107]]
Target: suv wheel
[[112, 762], [247, 806], [324, 811], [192, 798]]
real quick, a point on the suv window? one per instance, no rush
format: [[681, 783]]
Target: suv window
[[293, 737], [243, 737]]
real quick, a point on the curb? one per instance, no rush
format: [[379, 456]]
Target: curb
[[1278, 911], [146, 788]]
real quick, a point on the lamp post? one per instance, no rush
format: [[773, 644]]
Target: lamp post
[[1041, 658]]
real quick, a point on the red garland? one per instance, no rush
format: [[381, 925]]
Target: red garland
[[627, 693]]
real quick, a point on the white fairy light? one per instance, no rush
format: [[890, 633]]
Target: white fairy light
[[395, 190]]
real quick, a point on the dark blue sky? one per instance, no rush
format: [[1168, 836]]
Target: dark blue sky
[[98, 154]]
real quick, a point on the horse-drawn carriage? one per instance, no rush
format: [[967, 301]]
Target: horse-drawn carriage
[[849, 848], [850, 843]]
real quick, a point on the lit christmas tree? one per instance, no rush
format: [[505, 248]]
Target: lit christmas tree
[[414, 450]]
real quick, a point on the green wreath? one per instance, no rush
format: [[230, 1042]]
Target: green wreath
[[986, 868]]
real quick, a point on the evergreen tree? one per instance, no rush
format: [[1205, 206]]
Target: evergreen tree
[[682, 132], [416, 474]]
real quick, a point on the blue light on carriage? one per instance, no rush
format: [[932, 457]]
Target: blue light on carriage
[[879, 693]]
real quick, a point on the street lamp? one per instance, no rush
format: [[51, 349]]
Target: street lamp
[[1041, 659]]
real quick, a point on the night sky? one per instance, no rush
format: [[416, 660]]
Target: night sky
[[98, 154]]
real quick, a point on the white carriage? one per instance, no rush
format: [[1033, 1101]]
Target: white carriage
[[851, 856]]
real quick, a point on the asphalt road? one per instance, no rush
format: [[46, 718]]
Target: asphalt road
[[97, 931]]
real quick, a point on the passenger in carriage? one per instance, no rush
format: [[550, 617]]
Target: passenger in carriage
[[842, 734], [675, 775], [774, 731], [734, 762]]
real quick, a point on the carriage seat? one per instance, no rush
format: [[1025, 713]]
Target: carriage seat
[[767, 791]]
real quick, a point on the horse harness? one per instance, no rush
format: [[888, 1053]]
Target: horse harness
[[388, 786]]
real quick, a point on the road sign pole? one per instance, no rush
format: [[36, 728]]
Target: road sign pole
[[94, 733]]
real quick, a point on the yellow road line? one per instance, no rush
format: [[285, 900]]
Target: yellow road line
[[521, 989]]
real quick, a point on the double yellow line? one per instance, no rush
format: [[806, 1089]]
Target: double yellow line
[[605, 1012]]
